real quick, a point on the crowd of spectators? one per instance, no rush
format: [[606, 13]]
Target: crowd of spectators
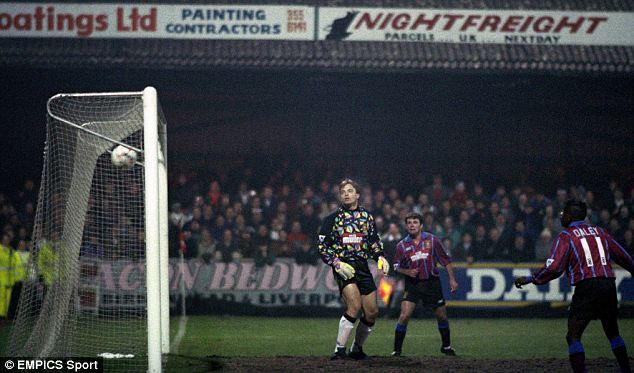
[[228, 217], [17, 215]]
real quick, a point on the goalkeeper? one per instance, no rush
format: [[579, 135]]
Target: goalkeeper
[[348, 238]]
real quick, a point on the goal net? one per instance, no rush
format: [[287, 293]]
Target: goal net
[[97, 277]]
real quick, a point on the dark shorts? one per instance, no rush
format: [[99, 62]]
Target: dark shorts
[[595, 298], [362, 277], [427, 291]]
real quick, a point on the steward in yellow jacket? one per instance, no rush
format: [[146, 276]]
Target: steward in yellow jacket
[[21, 258], [47, 263], [6, 274]]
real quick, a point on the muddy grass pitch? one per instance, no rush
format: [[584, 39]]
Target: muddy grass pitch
[[390, 364]]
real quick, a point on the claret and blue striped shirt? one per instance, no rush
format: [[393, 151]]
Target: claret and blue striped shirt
[[583, 251], [424, 255]]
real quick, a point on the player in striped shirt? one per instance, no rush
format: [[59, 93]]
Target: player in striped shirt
[[584, 252], [417, 256]]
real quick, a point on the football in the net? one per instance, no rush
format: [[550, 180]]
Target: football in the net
[[123, 157]]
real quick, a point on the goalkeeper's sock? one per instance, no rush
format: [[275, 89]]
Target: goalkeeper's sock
[[346, 323], [399, 337], [620, 352], [363, 331], [577, 357], [445, 336]]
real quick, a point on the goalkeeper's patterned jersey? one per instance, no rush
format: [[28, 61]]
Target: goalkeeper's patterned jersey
[[349, 235]]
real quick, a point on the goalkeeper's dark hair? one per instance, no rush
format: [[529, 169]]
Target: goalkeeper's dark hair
[[577, 209], [347, 181], [414, 215]]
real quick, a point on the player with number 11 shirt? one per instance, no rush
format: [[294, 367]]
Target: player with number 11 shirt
[[584, 252]]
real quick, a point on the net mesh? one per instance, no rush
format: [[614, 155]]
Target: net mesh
[[84, 295]]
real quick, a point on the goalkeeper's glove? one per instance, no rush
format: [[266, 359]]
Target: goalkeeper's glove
[[343, 269], [522, 280], [383, 265]]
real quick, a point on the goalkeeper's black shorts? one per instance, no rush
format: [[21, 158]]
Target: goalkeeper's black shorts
[[362, 277], [428, 291]]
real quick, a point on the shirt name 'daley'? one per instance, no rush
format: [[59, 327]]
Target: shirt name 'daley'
[[585, 231]]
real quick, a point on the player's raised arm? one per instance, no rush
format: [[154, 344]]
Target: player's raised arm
[[555, 264]]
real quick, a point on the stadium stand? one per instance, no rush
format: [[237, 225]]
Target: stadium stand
[[230, 216], [364, 56]]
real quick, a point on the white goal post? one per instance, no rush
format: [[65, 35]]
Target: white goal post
[[156, 210], [95, 213]]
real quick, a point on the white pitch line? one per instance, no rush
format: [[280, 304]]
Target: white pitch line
[[182, 327]]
